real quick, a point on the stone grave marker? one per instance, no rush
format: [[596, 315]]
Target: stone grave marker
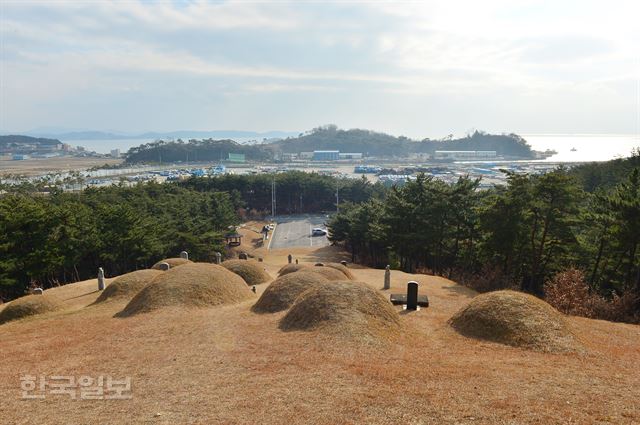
[[100, 279]]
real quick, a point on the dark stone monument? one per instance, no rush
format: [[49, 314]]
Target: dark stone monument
[[259, 259], [242, 256], [290, 258], [412, 295], [254, 289], [411, 300], [296, 261]]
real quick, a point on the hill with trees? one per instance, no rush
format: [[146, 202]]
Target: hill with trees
[[18, 143], [194, 150], [372, 143], [329, 137]]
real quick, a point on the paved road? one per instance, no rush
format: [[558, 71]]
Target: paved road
[[295, 231]]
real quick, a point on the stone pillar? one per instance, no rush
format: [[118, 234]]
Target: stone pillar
[[100, 279], [412, 295], [387, 277], [290, 258], [218, 258], [296, 261], [164, 266], [185, 255]]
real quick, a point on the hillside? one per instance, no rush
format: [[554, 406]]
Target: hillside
[[605, 175], [194, 150], [27, 144], [227, 364], [379, 144]]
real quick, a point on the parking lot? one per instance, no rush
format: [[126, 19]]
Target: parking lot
[[295, 231]]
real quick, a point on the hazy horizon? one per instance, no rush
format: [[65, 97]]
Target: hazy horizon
[[418, 69]]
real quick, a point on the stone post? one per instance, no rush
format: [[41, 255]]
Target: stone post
[[185, 255], [387, 277], [100, 279], [164, 266], [218, 258], [290, 258]]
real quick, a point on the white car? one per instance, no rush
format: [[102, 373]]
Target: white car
[[318, 232]]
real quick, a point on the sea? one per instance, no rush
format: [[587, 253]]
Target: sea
[[570, 147]]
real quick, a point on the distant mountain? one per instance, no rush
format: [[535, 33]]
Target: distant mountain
[[181, 134], [82, 135]]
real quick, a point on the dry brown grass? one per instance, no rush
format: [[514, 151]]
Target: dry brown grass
[[30, 305], [283, 291], [347, 309], [127, 285], [251, 271], [190, 285], [173, 262], [229, 365], [516, 319]]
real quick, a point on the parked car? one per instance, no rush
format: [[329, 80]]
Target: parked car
[[318, 232]]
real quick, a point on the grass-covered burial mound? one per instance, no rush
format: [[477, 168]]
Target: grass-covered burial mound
[[345, 271], [348, 309], [516, 319], [173, 262], [283, 291], [251, 271], [291, 268], [190, 285], [31, 305], [328, 272], [127, 285]]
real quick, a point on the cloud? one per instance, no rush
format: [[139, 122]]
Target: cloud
[[367, 53]]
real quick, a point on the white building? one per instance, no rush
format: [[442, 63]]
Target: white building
[[464, 155]]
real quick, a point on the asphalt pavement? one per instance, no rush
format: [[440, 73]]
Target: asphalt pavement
[[294, 231]]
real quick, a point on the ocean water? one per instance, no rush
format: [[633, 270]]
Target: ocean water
[[584, 147], [587, 147], [105, 146]]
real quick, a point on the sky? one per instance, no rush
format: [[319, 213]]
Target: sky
[[413, 68]]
